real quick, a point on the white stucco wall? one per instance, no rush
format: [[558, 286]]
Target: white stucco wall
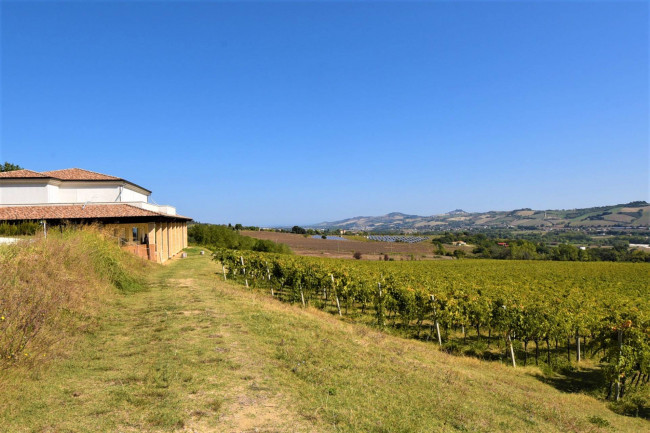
[[34, 193], [23, 194], [130, 195], [82, 194]]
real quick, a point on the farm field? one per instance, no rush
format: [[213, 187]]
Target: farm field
[[193, 353], [370, 250]]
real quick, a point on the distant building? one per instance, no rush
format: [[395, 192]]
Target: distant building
[[459, 243], [80, 196]]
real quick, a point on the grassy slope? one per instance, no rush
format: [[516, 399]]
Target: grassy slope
[[196, 354]]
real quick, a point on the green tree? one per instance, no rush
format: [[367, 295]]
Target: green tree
[[523, 250], [565, 252], [299, 230], [7, 166]]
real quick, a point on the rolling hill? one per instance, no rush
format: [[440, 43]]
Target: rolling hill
[[633, 214]]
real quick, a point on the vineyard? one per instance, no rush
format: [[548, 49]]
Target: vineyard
[[553, 312]]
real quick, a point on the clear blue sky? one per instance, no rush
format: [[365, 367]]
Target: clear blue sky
[[295, 113]]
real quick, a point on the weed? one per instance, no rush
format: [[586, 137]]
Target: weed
[[598, 421]]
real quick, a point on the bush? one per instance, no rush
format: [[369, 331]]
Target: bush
[[357, 255], [459, 254]]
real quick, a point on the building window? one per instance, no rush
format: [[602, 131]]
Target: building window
[[135, 234]]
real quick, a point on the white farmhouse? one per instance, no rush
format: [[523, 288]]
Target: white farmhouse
[[80, 196]]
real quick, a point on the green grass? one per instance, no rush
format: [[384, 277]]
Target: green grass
[[192, 353]]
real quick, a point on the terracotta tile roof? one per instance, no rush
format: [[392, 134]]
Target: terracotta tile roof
[[90, 211], [78, 174], [20, 174], [65, 174]]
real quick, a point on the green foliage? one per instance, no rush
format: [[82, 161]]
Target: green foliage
[[299, 230], [519, 301], [459, 254], [219, 236], [565, 252], [7, 166], [19, 228]]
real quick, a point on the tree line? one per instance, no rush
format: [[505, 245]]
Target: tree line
[[524, 249], [221, 236]]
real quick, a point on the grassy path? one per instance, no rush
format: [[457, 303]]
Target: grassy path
[[196, 354], [170, 358]]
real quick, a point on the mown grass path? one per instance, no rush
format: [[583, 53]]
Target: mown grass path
[[195, 354]]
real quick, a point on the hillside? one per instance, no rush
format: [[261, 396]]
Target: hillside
[[634, 214], [194, 353]]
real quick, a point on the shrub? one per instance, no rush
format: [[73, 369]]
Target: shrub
[[357, 255]]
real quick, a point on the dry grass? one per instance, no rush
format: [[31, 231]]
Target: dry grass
[[51, 288]]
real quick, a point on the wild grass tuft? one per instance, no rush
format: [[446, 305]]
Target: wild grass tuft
[[51, 288]]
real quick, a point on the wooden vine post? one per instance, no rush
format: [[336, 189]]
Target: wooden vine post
[[336, 295], [268, 275], [243, 269], [620, 352], [380, 308], [512, 350], [435, 318]]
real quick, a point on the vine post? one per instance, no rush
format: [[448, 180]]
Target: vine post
[[243, 269], [620, 353], [268, 276], [336, 295], [380, 307], [435, 318], [512, 350]]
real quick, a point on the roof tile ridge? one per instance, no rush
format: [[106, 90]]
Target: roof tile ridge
[[86, 170], [25, 169], [96, 172]]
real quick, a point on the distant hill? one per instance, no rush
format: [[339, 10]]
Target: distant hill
[[634, 214]]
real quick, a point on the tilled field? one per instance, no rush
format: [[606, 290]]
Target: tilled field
[[370, 250]]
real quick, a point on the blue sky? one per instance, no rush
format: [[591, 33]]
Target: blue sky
[[271, 113]]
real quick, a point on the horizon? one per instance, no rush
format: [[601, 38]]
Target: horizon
[[423, 215], [277, 114]]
